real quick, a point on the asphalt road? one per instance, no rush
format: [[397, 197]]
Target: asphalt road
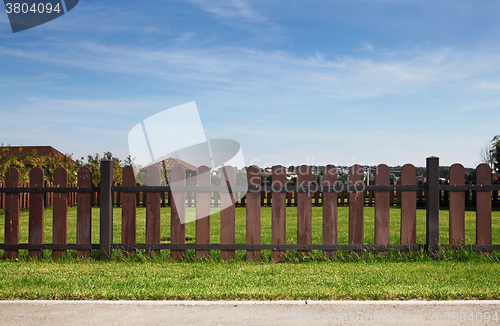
[[249, 312]]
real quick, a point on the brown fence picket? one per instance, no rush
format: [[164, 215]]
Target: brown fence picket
[[228, 214], [2, 197], [129, 208], [356, 206], [278, 212], [153, 205], [74, 195], [178, 211], [483, 206], [95, 196], [189, 194], [457, 206], [203, 203], [118, 201], [216, 194], [138, 195], [391, 195], [70, 195], [60, 212], [23, 199], [11, 213], [316, 198], [35, 232], [342, 198], [28, 184], [304, 210], [84, 212], [51, 195], [253, 212], [398, 194], [446, 197], [329, 209], [21, 195], [420, 194], [408, 206], [382, 207]]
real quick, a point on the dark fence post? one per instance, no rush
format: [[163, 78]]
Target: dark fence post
[[432, 203], [106, 202]]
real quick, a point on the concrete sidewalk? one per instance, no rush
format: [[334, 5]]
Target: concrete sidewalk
[[249, 312]]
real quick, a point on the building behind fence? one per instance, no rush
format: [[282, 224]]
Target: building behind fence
[[407, 194]]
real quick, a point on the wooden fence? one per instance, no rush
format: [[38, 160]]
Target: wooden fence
[[317, 198], [305, 194], [24, 197], [266, 198]]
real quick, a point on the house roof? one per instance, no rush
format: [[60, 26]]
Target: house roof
[[171, 162], [39, 150]]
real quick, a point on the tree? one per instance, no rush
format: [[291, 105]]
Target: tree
[[486, 155], [495, 152], [24, 161], [7, 160], [94, 163]]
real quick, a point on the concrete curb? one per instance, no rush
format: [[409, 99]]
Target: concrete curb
[[229, 303], [248, 313]]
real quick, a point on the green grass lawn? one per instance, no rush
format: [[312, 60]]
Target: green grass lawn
[[454, 275], [157, 280], [343, 221]]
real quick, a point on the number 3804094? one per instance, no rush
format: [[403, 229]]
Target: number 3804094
[[36, 8]]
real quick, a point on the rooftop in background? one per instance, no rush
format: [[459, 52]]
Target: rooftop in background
[[171, 162], [39, 150]]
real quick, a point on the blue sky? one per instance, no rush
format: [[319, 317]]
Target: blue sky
[[294, 82]]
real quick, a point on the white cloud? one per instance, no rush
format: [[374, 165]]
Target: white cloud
[[232, 9], [239, 69], [260, 95], [185, 37], [366, 46], [240, 15], [8, 81]]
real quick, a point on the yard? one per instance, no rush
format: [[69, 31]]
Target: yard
[[455, 275]]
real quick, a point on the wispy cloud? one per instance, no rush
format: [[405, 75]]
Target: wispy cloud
[[15, 81], [246, 69], [362, 105], [240, 15], [366, 46], [185, 37], [232, 9]]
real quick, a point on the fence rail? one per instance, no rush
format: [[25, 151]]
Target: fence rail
[[318, 191], [330, 194]]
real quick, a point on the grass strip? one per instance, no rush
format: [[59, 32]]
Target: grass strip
[[152, 279]]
